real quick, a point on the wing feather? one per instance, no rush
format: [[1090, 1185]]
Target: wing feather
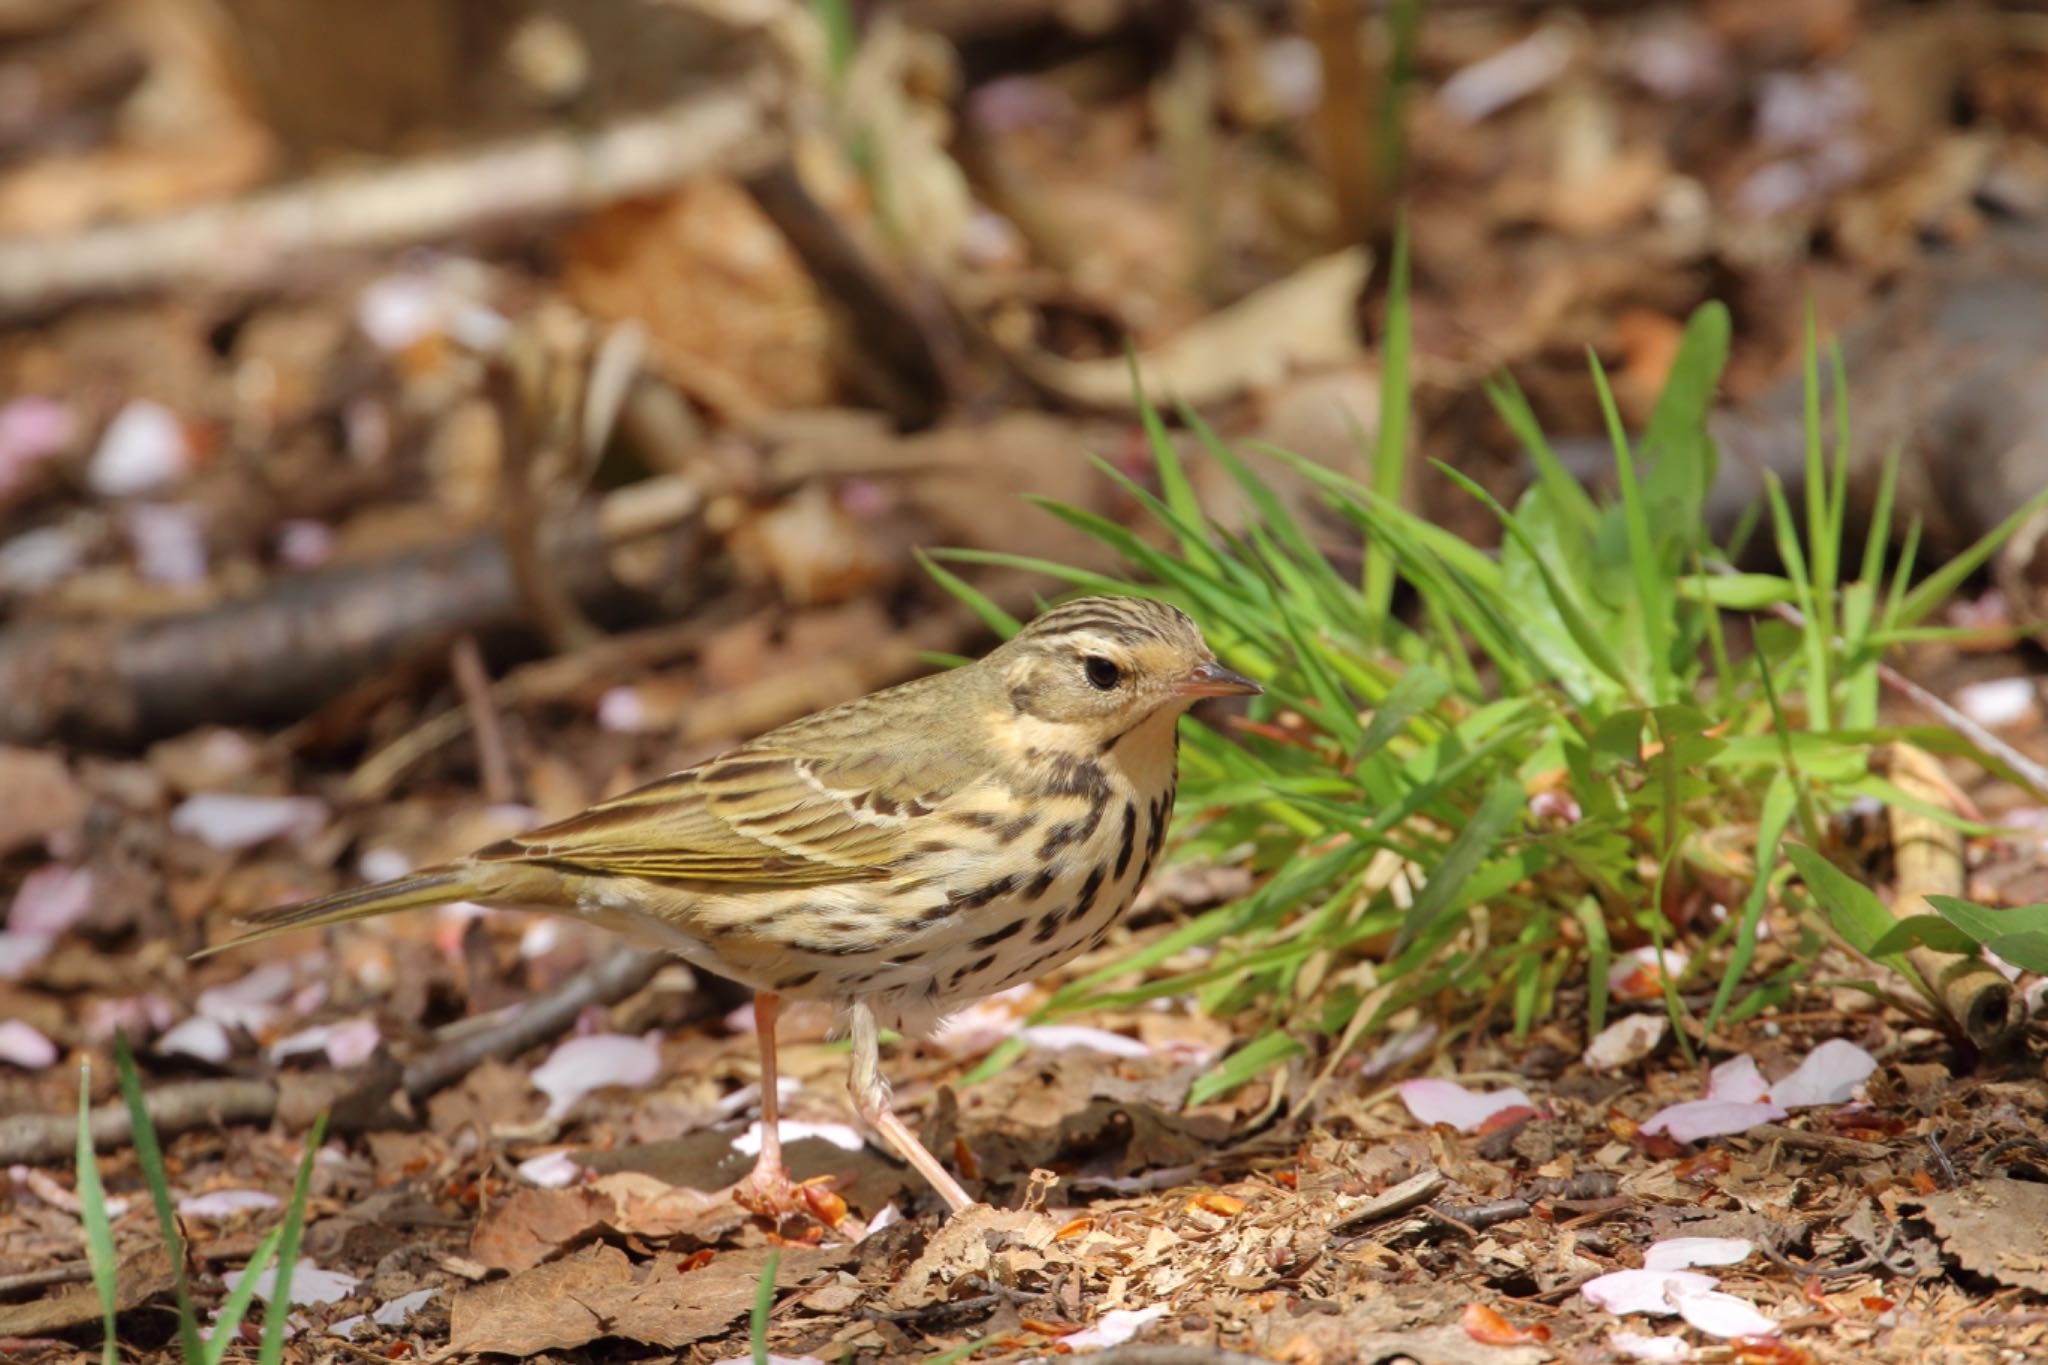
[[757, 814]]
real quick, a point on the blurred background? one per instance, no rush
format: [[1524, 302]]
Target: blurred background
[[712, 310]]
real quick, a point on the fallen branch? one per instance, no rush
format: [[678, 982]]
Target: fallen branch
[[301, 640], [256, 242], [176, 1108], [605, 982]]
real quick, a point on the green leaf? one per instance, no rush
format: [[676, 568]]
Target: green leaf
[[1420, 688], [1924, 931], [99, 1229], [1254, 1059], [1497, 814], [1854, 910], [2019, 935], [1738, 591]]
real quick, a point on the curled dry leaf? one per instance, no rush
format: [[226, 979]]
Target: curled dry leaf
[[1489, 1328], [1626, 1041]]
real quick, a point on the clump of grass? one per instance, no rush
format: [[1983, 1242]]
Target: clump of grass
[[280, 1247], [1485, 804]]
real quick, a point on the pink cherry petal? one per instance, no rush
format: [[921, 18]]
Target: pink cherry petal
[[1829, 1075], [1739, 1080], [1644, 1291], [1438, 1101], [1683, 1253], [1721, 1315], [1695, 1119]]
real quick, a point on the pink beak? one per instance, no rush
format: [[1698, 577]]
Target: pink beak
[[1212, 679]]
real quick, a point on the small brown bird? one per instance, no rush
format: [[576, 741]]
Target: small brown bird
[[900, 855]]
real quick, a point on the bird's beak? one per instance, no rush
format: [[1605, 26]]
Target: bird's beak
[[1211, 679]]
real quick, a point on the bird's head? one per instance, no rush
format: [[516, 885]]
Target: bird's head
[[1099, 667]]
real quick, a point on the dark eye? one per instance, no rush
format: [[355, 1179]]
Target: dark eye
[[1101, 672]]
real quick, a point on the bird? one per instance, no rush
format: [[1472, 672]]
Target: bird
[[898, 856]]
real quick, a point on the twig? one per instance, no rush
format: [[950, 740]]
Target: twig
[[1142, 1353], [276, 234], [466, 663], [72, 1272], [1416, 1189], [605, 982], [175, 1108], [519, 389], [1818, 1142], [899, 361], [547, 680]]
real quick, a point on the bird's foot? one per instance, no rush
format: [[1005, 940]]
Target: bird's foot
[[768, 1192]]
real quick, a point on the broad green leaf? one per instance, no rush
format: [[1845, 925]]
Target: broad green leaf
[[2019, 935]]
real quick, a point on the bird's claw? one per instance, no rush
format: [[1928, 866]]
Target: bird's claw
[[770, 1193]]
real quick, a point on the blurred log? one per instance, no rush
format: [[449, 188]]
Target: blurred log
[[1929, 859], [258, 241], [302, 640]]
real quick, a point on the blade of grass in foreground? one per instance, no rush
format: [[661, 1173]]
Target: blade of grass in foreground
[[280, 1307], [151, 1158], [92, 1208]]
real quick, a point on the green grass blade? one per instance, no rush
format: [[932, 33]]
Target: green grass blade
[[99, 1229], [992, 616], [151, 1158], [1653, 596], [1941, 585], [227, 1326], [1254, 1059], [1390, 443], [764, 1304], [275, 1314], [1497, 814]]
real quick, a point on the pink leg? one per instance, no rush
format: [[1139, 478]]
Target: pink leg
[[768, 1189], [871, 1099]]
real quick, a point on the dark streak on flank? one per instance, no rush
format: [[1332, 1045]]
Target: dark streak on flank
[[1059, 836], [1048, 926], [1015, 828], [1130, 832], [974, 900], [797, 982], [1042, 883], [990, 940], [1089, 888]]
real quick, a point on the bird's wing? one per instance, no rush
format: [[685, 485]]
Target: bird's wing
[[758, 814]]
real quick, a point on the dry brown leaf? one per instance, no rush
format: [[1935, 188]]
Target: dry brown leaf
[[533, 1224], [38, 798], [599, 1292], [137, 1280], [1305, 320], [1996, 1229], [996, 1244]]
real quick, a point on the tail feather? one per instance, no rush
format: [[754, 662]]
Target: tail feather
[[434, 886]]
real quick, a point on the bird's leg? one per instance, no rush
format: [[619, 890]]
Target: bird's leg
[[871, 1100], [768, 1189]]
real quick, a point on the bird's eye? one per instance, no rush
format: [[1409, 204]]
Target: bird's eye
[[1101, 672]]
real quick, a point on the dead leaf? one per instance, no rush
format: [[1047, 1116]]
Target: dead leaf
[[38, 798], [996, 1244], [1300, 322], [1995, 1228], [138, 1279], [534, 1224], [599, 1292]]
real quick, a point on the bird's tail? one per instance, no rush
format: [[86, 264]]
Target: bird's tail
[[432, 886]]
